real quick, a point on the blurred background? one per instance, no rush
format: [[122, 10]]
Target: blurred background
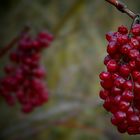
[[73, 63]]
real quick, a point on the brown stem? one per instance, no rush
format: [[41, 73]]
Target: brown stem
[[5, 49], [122, 7]]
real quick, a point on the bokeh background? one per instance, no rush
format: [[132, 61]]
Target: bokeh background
[[73, 63]]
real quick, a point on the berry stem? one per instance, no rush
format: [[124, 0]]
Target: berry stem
[[122, 7], [136, 20], [5, 49]]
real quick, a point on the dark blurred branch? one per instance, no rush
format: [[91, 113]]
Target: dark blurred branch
[[122, 7], [5, 49]]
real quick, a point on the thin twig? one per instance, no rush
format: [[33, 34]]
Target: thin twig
[[122, 7], [5, 49]]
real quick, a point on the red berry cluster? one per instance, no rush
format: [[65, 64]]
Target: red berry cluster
[[23, 80], [121, 81]]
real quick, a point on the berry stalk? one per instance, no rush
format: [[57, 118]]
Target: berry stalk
[[122, 7]]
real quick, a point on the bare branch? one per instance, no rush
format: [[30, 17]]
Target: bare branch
[[122, 7]]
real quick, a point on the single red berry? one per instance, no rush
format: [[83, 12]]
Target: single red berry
[[112, 66], [128, 85], [112, 47], [133, 54], [106, 84], [133, 120], [128, 96], [105, 76], [125, 49], [124, 105], [122, 39], [104, 94], [122, 30], [119, 82], [124, 70], [120, 116]]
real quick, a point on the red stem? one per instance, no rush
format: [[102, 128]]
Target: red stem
[[5, 49], [122, 7]]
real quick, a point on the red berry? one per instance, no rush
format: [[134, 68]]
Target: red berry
[[128, 85], [105, 76], [124, 105], [133, 54], [124, 70], [107, 59], [125, 49], [120, 116], [104, 94], [116, 91], [110, 36], [136, 29], [121, 81], [122, 30], [107, 84], [122, 39], [134, 43], [133, 120], [127, 96], [112, 66], [112, 48]]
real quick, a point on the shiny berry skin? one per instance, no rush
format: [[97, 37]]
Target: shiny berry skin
[[107, 59], [124, 70], [128, 85], [112, 48], [121, 90], [116, 91], [122, 39], [105, 76], [104, 94], [112, 66], [136, 30], [119, 82], [136, 75], [110, 36], [120, 116], [122, 30], [125, 49], [132, 64], [134, 43], [133, 54], [124, 105], [127, 95], [133, 120], [106, 84]]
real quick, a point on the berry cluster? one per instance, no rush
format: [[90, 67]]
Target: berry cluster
[[121, 81], [23, 80]]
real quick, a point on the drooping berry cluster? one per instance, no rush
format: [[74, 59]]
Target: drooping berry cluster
[[121, 81], [23, 80]]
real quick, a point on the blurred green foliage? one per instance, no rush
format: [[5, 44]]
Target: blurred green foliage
[[73, 62]]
